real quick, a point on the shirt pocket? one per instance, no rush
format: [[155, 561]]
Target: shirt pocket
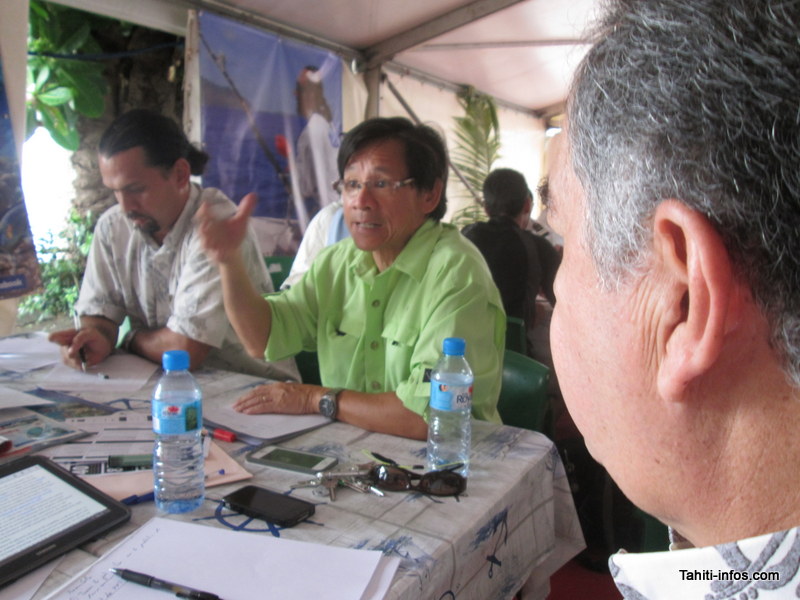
[[400, 341], [343, 334]]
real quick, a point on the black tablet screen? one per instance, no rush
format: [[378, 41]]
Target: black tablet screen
[[45, 511]]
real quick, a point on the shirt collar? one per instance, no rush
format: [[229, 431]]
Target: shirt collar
[[413, 259]]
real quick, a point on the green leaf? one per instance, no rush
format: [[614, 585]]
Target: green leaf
[[60, 128], [56, 96], [76, 40], [41, 78]]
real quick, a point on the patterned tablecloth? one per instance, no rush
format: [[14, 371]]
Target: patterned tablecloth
[[512, 529]]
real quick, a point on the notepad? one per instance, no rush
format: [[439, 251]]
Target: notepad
[[256, 429], [235, 565]]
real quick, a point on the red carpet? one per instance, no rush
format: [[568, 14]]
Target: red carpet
[[575, 582]]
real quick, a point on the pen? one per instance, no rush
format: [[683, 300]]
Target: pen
[[180, 591], [81, 353], [131, 500]]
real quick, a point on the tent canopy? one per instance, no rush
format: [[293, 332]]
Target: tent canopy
[[521, 52]]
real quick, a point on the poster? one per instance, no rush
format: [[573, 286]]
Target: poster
[[19, 268], [271, 112]]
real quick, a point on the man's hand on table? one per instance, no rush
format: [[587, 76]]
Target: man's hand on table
[[96, 346], [289, 398]]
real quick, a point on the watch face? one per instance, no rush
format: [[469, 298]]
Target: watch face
[[327, 406]]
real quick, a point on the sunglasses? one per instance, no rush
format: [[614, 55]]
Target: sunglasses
[[435, 483]]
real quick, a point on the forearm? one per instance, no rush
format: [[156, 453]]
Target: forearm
[[248, 312], [382, 413], [152, 343]]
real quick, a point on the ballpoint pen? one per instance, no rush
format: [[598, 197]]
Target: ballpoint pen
[[81, 353], [181, 591]]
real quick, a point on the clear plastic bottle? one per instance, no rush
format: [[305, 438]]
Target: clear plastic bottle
[[178, 465], [449, 428]]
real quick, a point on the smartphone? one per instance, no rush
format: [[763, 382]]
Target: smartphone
[[294, 460], [273, 507]]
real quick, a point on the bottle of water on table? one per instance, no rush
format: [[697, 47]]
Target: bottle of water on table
[[178, 465], [449, 430]]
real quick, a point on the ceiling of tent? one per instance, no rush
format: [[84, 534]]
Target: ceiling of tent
[[522, 52]]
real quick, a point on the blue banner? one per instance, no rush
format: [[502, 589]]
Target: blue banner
[[272, 122]]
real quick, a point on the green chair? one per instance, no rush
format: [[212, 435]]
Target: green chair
[[515, 335], [278, 267], [523, 398]]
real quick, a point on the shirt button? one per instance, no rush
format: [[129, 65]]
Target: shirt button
[[376, 385], [376, 303], [374, 345]]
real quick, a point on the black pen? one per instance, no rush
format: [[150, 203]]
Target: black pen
[[180, 591]]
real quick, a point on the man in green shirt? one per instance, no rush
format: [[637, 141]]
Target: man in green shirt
[[376, 306]]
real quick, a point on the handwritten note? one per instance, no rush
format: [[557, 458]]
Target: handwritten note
[[235, 565]]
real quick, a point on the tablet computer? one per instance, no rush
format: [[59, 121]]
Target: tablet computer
[[46, 511]]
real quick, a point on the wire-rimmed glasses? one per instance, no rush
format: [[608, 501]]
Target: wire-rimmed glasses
[[378, 187]]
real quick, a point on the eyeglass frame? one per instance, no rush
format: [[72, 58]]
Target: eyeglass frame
[[389, 185], [411, 476]]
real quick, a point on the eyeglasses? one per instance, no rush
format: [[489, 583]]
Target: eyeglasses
[[379, 187], [435, 483]]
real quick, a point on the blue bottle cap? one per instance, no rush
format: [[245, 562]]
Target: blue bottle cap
[[454, 346], [175, 360]]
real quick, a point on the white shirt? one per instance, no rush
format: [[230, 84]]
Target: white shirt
[[317, 147], [326, 228], [763, 567], [172, 285]]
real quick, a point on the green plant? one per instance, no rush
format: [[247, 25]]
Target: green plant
[[60, 85], [477, 148], [62, 263]]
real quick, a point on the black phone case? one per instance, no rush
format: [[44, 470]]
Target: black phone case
[[301, 509]]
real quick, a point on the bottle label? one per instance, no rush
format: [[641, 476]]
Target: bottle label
[[450, 397], [171, 419]]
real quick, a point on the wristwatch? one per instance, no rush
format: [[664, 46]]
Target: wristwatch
[[328, 405]]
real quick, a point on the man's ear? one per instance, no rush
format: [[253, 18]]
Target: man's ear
[[182, 171], [698, 285], [433, 196]]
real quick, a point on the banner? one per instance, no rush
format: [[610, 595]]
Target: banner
[[19, 268], [271, 113]]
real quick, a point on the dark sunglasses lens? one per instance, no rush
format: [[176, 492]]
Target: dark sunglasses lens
[[390, 479], [442, 483]]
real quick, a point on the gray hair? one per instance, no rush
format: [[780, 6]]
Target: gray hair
[[697, 100]]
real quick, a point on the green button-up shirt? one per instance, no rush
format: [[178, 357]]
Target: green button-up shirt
[[378, 332]]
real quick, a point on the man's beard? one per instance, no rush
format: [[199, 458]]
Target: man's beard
[[147, 225]]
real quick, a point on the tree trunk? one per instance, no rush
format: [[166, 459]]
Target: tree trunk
[[152, 80]]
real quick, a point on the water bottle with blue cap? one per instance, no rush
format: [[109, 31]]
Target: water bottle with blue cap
[[178, 464]]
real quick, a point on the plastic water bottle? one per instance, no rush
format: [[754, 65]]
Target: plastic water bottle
[[178, 468], [449, 429]]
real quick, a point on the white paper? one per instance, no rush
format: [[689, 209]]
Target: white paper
[[27, 352], [235, 565], [219, 412], [12, 399], [118, 373]]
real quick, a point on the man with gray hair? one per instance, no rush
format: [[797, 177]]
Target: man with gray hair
[[676, 335]]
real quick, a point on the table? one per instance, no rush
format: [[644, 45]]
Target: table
[[513, 528]]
